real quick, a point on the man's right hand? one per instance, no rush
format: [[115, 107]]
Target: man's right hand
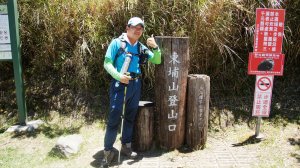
[[125, 79], [151, 42]]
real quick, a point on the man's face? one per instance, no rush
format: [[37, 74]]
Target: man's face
[[134, 32]]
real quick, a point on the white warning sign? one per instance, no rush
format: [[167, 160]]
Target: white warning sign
[[262, 96]]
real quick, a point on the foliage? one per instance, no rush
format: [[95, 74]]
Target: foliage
[[64, 43]]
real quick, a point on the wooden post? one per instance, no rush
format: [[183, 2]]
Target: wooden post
[[197, 110], [170, 91], [143, 129]]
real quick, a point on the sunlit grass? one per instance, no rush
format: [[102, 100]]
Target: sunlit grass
[[35, 149]]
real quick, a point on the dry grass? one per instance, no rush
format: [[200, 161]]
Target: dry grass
[[64, 42]]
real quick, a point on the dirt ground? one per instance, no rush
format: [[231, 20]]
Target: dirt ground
[[233, 146]]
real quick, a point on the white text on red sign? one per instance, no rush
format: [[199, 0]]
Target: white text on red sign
[[269, 28]]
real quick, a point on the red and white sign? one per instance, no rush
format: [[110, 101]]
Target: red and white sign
[[262, 96], [265, 64], [269, 28]]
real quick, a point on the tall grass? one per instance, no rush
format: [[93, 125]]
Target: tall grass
[[64, 43]]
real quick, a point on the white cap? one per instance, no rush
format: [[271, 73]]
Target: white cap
[[135, 21]]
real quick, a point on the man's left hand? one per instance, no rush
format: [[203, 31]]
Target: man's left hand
[[151, 42]]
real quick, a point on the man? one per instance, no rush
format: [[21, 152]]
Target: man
[[126, 44]]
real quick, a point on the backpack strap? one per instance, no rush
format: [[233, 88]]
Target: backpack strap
[[121, 50], [140, 48]]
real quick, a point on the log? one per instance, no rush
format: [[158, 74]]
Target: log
[[170, 91], [197, 110], [143, 129]]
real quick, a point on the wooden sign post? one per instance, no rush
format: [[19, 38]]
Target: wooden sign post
[[170, 91]]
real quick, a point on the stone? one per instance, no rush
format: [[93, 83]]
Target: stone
[[69, 145], [29, 127], [35, 124]]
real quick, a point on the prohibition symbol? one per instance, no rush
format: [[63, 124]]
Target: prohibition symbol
[[264, 84]]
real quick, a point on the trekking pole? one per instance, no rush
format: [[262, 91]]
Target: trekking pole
[[124, 71], [122, 116]]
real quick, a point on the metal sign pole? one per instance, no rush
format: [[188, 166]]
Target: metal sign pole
[[257, 126], [15, 48]]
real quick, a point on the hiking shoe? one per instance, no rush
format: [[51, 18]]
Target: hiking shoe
[[108, 158], [127, 151]]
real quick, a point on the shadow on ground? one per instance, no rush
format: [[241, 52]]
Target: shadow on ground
[[296, 156], [98, 158], [295, 142], [250, 140]]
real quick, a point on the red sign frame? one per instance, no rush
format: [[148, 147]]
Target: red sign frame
[[266, 64]]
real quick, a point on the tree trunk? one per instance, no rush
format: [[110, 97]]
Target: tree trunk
[[197, 110], [143, 129]]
